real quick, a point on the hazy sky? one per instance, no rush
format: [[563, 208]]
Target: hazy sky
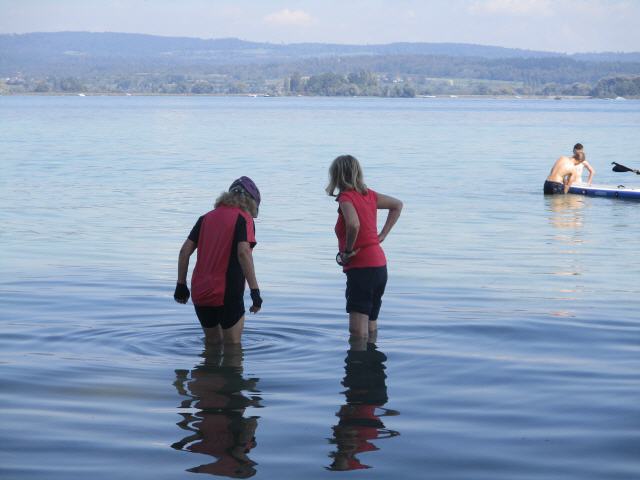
[[559, 25]]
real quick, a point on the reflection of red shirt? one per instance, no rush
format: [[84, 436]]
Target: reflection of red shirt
[[358, 425], [215, 245], [351, 418], [370, 254], [354, 411]]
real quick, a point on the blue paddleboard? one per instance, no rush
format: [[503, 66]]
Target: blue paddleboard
[[606, 191]]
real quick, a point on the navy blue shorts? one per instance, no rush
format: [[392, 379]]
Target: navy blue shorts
[[226, 315], [553, 188], [365, 287]]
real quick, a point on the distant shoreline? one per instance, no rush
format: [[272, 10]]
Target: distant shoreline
[[245, 95], [117, 63]]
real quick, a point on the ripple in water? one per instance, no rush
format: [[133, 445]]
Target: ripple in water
[[266, 341]]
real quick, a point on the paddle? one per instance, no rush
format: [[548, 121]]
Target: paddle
[[621, 168]]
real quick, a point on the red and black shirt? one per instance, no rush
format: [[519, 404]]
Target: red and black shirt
[[217, 277]]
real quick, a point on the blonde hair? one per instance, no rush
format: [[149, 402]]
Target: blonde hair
[[345, 173], [238, 199]]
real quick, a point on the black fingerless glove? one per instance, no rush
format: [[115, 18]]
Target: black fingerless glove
[[256, 298], [182, 294]]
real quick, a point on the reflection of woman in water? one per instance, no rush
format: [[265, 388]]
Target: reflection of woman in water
[[360, 421], [219, 428]]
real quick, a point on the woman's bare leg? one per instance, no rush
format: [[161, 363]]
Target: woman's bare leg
[[358, 324], [358, 344], [232, 355], [234, 334], [213, 335], [373, 331]]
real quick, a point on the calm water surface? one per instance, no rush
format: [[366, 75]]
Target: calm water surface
[[510, 333]]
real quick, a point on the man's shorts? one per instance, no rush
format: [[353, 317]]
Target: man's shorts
[[226, 315], [365, 287], [552, 188]]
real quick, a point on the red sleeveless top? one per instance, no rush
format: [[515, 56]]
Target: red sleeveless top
[[371, 253]]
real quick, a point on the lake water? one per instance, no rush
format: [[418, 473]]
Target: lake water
[[509, 343]]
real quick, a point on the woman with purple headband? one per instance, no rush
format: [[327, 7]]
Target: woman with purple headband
[[224, 237]]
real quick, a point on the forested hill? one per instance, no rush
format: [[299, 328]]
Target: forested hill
[[28, 51], [119, 62], [52, 45]]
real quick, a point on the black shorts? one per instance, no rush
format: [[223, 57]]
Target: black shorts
[[226, 315], [552, 188], [365, 287]]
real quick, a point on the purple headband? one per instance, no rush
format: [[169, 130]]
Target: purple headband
[[247, 186]]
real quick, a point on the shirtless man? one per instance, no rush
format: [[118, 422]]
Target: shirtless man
[[563, 173]]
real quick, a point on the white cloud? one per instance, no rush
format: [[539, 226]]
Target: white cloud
[[288, 17], [604, 8], [513, 7]]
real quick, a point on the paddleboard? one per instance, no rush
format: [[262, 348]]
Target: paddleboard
[[610, 191]]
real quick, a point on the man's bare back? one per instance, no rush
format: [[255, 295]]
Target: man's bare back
[[564, 170]]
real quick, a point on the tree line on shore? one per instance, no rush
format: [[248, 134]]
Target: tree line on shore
[[358, 83], [75, 62]]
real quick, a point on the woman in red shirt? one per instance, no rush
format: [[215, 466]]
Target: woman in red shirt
[[224, 237], [360, 253]]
